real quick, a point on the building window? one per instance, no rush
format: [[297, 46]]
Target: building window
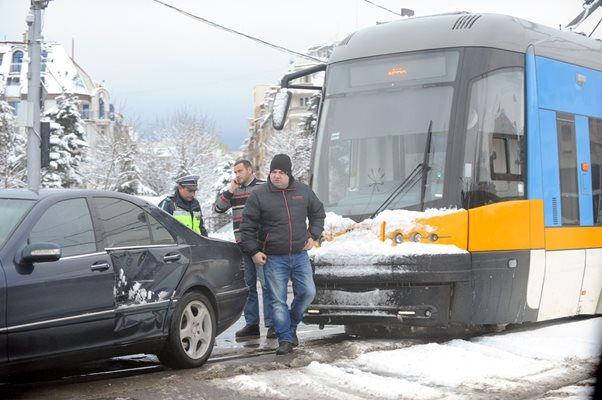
[[15, 106], [1, 57], [17, 62], [86, 111], [44, 59], [13, 81], [101, 109], [303, 101]]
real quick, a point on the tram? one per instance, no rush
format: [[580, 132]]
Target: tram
[[495, 116]]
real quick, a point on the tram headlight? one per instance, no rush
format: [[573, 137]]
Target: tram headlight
[[399, 238], [433, 237], [417, 237]]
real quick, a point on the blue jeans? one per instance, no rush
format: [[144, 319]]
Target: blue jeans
[[252, 273], [278, 270]]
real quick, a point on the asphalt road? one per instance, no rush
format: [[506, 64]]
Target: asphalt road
[[142, 377]]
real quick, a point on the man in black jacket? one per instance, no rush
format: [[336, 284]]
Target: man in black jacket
[[275, 234]]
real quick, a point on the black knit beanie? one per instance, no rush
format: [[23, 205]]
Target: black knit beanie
[[283, 163]]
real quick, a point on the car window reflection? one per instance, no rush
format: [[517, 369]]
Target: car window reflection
[[126, 224], [68, 224]]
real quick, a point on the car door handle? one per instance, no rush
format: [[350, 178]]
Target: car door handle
[[171, 257], [100, 266]]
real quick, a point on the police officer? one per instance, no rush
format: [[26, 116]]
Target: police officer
[[184, 206]]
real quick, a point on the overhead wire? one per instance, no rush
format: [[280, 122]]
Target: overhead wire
[[384, 8], [230, 30], [595, 27]]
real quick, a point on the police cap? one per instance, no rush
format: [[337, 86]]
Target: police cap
[[189, 181]]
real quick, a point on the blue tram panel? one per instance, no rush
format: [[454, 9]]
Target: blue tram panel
[[571, 90], [568, 88]]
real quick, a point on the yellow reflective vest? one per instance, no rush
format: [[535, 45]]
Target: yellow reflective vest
[[188, 213]]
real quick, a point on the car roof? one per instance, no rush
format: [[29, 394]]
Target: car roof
[[28, 194]]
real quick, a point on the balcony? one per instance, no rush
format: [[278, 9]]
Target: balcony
[[13, 91]]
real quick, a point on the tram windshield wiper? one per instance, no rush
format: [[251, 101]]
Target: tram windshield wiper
[[426, 164], [419, 173]]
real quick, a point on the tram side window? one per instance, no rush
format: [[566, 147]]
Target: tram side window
[[595, 145], [567, 161], [494, 155]]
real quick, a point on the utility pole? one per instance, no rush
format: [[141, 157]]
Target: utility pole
[[34, 37]]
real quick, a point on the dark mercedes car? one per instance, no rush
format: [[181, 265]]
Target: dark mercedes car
[[89, 275]]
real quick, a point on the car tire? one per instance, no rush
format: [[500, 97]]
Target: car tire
[[191, 333]]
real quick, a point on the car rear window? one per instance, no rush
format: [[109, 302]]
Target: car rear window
[[11, 213]]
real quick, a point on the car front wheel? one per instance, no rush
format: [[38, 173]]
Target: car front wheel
[[191, 333]]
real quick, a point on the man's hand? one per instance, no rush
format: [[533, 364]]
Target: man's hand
[[309, 244], [259, 258], [233, 186]]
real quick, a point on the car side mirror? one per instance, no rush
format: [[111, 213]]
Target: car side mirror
[[282, 100], [40, 252]]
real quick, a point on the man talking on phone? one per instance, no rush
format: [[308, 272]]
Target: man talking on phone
[[241, 186]]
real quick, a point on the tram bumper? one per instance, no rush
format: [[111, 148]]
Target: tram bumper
[[414, 290]]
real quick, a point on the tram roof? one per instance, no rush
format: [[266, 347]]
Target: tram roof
[[470, 30]]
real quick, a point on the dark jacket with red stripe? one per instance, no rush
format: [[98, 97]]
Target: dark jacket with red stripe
[[236, 201], [274, 220]]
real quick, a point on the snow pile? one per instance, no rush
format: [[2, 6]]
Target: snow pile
[[361, 244], [512, 365]]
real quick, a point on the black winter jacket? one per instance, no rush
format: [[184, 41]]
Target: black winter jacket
[[274, 220]]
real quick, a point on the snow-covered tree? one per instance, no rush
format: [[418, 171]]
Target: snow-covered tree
[[129, 179], [223, 174], [296, 140], [301, 156], [113, 162], [297, 136], [13, 167], [68, 144], [188, 147]]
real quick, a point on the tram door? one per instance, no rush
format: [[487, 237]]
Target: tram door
[[572, 156]]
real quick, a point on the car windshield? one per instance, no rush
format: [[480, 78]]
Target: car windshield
[[379, 118], [11, 212]]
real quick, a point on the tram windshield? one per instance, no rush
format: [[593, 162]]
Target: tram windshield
[[374, 132]]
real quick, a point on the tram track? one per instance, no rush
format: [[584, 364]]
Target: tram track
[[227, 360], [123, 367]]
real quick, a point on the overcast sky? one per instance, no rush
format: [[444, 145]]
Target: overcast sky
[[155, 61]]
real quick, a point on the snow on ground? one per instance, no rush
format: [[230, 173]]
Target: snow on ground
[[544, 362]]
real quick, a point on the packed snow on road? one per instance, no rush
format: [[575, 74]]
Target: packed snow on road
[[551, 362]]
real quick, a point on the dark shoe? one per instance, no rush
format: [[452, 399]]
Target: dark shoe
[[249, 331], [295, 339], [271, 333], [284, 348]]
